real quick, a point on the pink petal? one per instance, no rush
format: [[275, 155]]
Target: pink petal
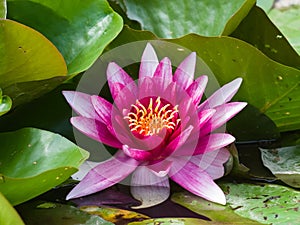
[[124, 97], [104, 175], [149, 188], [223, 114], [212, 162], [149, 62], [137, 154], [223, 95], [184, 74], [195, 180], [205, 144], [160, 168], [95, 130], [81, 104], [163, 73], [205, 116], [197, 88], [103, 108], [116, 75]]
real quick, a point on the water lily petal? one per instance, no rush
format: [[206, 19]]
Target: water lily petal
[[95, 130], [223, 114], [115, 74], [163, 73], [194, 179], [212, 162], [160, 168], [103, 108], [196, 89], [149, 62], [204, 116], [149, 188], [81, 104], [223, 95], [104, 175], [205, 144], [137, 154], [124, 96], [184, 73]]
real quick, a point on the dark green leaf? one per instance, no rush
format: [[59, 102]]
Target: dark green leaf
[[170, 19], [288, 22], [265, 203], [5, 103], [8, 215], [258, 30], [79, 29], [33, 161], [174, 221], [48, 213], [284, 163], [213, 211]]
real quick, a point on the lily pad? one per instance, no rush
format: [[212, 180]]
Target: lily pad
[[216, 213], [266, 5], [114, 215], [26, 55], [79, 29], [8, 214], [265, 203], [174, 221], [173, 18], [49, 213], [284, 163], [5, 103], [287, 20], [258, 30], [3, 9], [33, 161]]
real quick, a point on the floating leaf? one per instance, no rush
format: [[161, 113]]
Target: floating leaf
[[79, 29], [266, 5], [288, 22], [217, 213], [33, 161], [170, 19], [284, 163], [26, 55], [258, 30], [265, 203], [114, 215], [174, 221], [2, 9], [8, 215], [5, 103], [49, 213]]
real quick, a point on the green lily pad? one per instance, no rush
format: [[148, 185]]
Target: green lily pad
[[287, 21], [49, 213], [266, 5], [284, 163], [114, 215], [26, 55], [218, 214], [265, 203], [174, 221], [5, 103], [33, 161], [8, 214], [79, 29], [3, 9], [258, 30], [170, 19]]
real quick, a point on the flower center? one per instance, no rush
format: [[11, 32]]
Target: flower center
[[153, 118]]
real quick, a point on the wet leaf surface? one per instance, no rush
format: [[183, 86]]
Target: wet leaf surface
[[79, 29], [33, 161], [284, 163], [49, 213], [173, 18], [5, 103], [8, 214]]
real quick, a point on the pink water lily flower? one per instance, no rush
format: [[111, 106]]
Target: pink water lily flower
[[160, 129]]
